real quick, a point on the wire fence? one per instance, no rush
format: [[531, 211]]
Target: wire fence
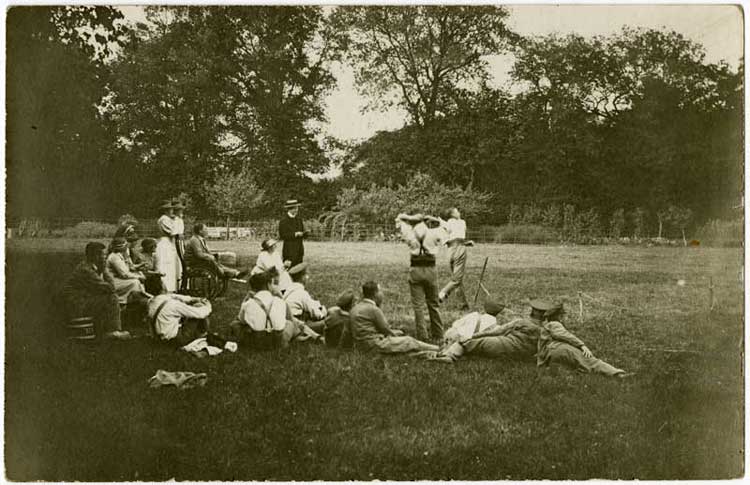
[[257, 230]]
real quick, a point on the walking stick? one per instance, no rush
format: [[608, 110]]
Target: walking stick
[[481, 278]]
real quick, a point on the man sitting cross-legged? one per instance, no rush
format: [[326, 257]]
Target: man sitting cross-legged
[[304, 307], [516, 339], [264, 321], [559, 346], [180, 319], [370, 330]]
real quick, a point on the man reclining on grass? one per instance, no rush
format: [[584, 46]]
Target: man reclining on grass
[[516, 339], [559, 346], [370, 330]]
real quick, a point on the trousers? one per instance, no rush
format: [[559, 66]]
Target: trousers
[[423, 289], [458, 269], [398, 345], [569, 356]]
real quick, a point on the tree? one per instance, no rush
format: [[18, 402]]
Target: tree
[[211, 89], [58, 140], [679, 218], [234, 194], [417, 57]]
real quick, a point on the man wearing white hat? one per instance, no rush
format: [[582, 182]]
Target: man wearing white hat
[[292, 232]]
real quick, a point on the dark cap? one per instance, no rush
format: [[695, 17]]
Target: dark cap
[[493, 307], [345, 300], [547, 306]]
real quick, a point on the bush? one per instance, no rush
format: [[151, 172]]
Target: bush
[[721, 233], [90, 229], [525, 233]]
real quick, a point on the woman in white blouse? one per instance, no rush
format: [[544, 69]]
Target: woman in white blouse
[[270, 258], [127, 279], [167, 261]]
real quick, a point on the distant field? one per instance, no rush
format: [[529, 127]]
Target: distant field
[[85, 413]]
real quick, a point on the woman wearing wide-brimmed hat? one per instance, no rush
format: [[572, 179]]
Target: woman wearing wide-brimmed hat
[[167, 261], [270, 259]]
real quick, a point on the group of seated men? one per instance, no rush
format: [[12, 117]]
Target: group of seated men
[[278, 310]]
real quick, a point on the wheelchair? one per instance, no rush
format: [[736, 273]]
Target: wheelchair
[[202, 281]]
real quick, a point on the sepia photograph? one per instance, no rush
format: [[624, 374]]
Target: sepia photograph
[[356, 242]]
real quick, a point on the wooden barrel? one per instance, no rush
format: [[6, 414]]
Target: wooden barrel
[[80, 329]]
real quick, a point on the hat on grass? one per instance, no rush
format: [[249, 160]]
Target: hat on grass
[[298, 269], [118, 243], [291, 203], [493, 307], [268, 244]]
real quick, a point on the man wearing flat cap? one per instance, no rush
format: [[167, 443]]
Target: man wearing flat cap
[[557, 345], [292, 232], [515, 340], [302, 305]]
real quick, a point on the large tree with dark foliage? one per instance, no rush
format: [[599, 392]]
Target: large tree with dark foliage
[[637, 119], [58, 141], [208, 91]]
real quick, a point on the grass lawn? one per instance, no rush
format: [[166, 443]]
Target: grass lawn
[[85, 412]]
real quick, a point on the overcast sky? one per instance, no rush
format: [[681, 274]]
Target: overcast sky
[[717, 27]]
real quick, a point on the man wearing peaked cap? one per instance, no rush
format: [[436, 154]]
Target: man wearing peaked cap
[[292, 232], [557, 345]]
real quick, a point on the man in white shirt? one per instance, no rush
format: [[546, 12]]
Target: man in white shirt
[[302, 305], [456, 241], [424, 243], [179, 319], [264, 321]]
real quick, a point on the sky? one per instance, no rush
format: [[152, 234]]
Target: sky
[[719, 28]]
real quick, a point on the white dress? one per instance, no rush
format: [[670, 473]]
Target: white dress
[[126, 280], [166, 259]]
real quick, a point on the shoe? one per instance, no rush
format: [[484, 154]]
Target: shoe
[[231, 346], [118, 335]]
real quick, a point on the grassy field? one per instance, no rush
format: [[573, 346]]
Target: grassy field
[[85, 412]]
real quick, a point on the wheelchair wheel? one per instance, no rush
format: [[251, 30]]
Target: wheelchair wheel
[[202, 283]]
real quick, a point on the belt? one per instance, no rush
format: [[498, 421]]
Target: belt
[[417, 262]]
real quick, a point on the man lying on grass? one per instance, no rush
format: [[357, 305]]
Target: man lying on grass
[[369, 328], [516, 339], [559, 346]]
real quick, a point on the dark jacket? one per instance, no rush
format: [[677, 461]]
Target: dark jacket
[[294, 250]]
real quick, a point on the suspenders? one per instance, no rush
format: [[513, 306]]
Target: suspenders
[[267, 311]]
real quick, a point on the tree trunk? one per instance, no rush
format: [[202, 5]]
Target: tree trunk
[[684, 240], [660, 227], [227, 228]]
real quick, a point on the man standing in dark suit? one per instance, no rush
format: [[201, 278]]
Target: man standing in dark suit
[[292, 232]]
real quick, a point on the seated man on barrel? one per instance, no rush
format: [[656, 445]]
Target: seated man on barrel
[[198, 255], [90, 291]]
